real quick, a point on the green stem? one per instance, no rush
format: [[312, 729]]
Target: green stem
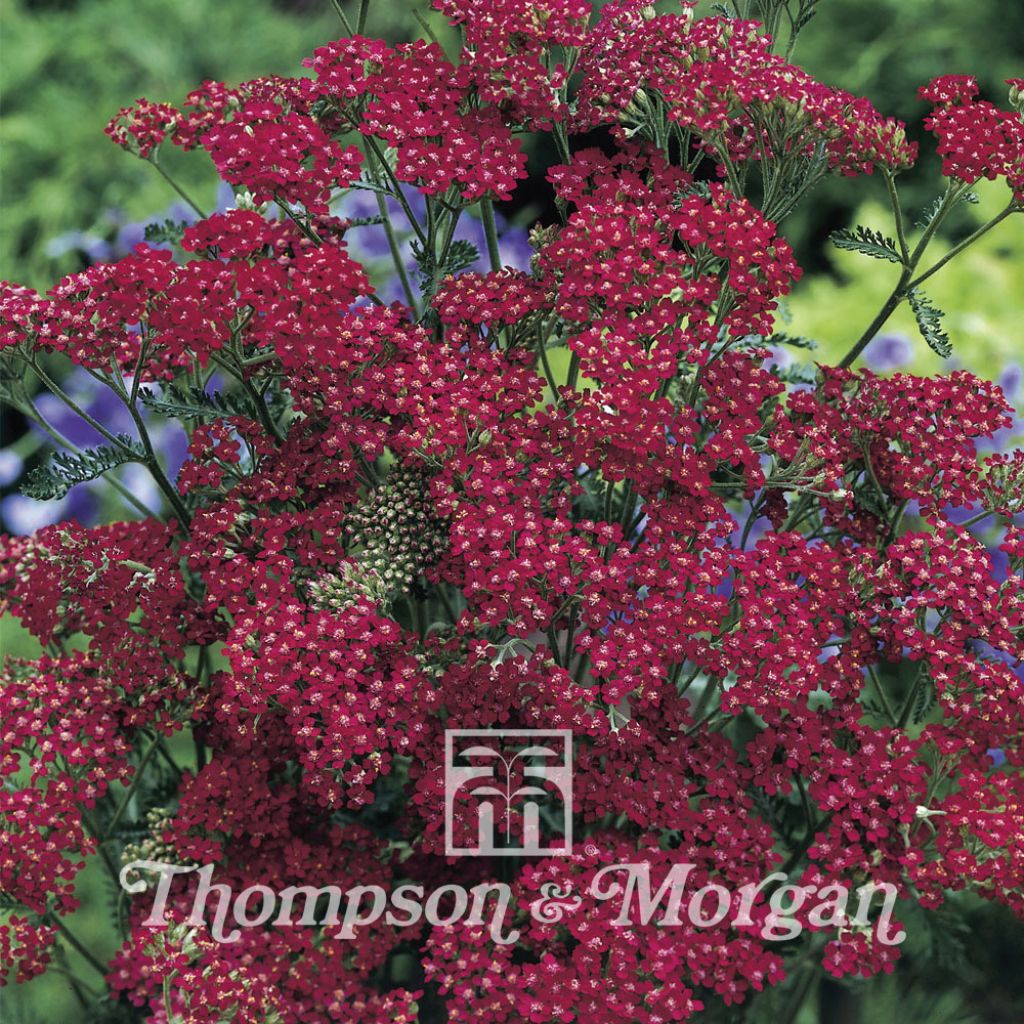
[[33, 414], [805, 802], [123, 806], [449, 608], [905, 282], [396, 187], [263, 413], [895, 524], [959, 248], [490, 233], [805, 976], [344, 20], [76, 409], [153, 465], [710, 688], [574, 371], [561, 137], [974, 520], [428, 31], [888, 308], [305, 228], [76, 944], [881, 693], [897, 212], [165, 754], [680, 690], [908, 707], [396, 254], [451, 222], [79, 987], [168, 1011], [545, 362], [177, 188]]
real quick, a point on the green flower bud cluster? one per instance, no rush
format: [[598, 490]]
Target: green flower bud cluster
[[152, 847], [395, 534]]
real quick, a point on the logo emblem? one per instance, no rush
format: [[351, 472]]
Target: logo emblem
[[515, 785]]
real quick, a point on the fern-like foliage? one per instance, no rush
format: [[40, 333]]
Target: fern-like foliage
[[461, 254], [924, 701], [796, 374], [165, 232], [929, 322], [793, 341], [868, 242], [805, 12], [193, 403], [65, 469], [933, 211]]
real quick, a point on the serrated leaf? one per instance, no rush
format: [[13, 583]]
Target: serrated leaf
[[868, 499], [924, 701], [793, 341], [933, 211], [193, 403], [12, 375], [165, 232], [948, 936], [872, 707], [868, 242], [363, 222], [929, 322], [806, 11], [66, 469], [461, 254], [796, 374], [695, 188], [368, 185]]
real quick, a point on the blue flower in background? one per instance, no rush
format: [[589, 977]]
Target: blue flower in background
[[367, 243], [116, 236], [888, 352], [22, 514], [11, 466], [1010, 381]]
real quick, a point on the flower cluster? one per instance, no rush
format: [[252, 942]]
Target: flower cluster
[[976, 139], [577, 493], [719, 80]]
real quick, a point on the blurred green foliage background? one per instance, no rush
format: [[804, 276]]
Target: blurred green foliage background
[[66, 66]]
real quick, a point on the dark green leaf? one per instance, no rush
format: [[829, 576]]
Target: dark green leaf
[[65, 469], [867, 241], [929, 322], [166, 232], [193, 403], [933, 211], [806, 11], [868, 498], [793, 341], [461, 254], [924, 701], [797, 374], [362, 222]]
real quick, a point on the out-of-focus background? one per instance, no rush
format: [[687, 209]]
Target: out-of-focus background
[[70, 197]]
